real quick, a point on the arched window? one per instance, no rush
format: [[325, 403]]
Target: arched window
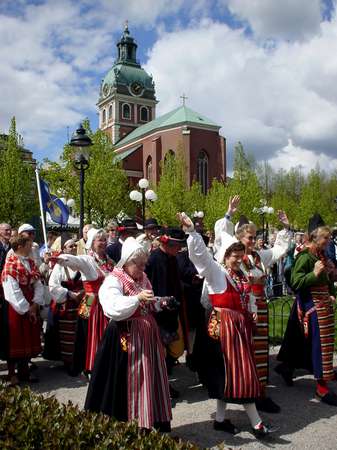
[[202, 171], [126, 111], [144, 114], [149, 168], [110, 112], [104, 116]]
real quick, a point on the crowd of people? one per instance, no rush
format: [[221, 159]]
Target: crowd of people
[[120, 306]]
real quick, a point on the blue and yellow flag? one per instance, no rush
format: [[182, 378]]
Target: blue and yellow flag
[[58, 211]]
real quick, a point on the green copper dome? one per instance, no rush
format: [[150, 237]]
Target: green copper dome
[[126, 75]]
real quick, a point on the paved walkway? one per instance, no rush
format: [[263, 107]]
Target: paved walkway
[[304, 422]]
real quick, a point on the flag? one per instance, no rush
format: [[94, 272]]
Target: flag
[[58, 211]]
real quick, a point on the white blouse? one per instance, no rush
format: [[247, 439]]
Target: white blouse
[[86, 264], [268, 256], [115, 305], [57, 291], [14, 295]]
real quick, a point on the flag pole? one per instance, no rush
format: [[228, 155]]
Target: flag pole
[[43, 219]]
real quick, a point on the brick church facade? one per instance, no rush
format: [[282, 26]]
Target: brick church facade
[[127, 113]]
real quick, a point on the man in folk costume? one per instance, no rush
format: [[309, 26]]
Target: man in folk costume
[[66, 290], [309, 338], [5, 235], [163, 272], [129, 380], [127, 228], [231, 368], [254, 265], [151, 232], [94, 267], [23, 291]]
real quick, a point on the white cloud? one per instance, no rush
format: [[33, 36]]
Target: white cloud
[[292, 156], [259, 96], [285, 19]]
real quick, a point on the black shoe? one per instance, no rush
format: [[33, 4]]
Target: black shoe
[[227, 426], [330, 398], [174, 393], [263, 430], [286, 373], [267, 405]]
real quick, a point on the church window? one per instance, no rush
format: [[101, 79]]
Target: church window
[[110, 112], [104, 116], [149, 169], [202, 171], [126, 111], [144, 114]]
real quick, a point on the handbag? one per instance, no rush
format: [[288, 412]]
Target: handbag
[[213, 327]]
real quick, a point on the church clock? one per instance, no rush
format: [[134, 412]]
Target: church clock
[[136, 88]]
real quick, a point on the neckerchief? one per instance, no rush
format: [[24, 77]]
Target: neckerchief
[[105, 264]]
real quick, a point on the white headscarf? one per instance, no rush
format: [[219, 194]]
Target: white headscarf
[[129, 247], [92, 233]]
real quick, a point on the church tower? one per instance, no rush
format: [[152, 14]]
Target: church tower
[[127, 94]]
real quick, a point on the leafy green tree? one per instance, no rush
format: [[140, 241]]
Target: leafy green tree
[[314, 199], [170, 190], [106, 188], [17, 181], [216, 203], [246, 184]]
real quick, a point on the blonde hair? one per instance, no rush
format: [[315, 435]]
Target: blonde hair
[[319, 232], [247, 227]]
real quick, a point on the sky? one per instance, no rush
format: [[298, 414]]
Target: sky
[[264, 70]]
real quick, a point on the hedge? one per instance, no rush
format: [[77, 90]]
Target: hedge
[[31, 421]]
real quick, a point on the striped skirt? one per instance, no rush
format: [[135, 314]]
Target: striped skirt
[[326, 326], [67, 332], [148, 389], [97, 324], [261, 341], [242, 381]]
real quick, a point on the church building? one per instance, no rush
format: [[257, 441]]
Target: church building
[[127, 112]]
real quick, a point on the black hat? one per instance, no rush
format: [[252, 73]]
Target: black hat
[[314, 222], [127, 224], [173, 234], [150, 223], [242, 221]]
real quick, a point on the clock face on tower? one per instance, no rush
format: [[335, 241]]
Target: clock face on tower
[[105, 90], [136, 88]]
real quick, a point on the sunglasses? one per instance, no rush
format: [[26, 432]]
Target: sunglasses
[[251, 238]]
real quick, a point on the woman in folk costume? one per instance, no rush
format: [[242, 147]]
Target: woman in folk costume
[[66, 290], [23, 291], [94, 267], [231, 368], [129, 380], [254, 265], [309, 338]]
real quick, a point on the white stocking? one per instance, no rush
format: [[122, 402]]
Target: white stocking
[[220, 410], [252, 414]]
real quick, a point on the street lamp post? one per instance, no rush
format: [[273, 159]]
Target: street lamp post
[[81, 141], [263, 211], [143, 195]]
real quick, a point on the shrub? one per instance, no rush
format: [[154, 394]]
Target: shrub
[[31, 421]]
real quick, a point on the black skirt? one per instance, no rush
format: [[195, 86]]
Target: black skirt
[[107, 391]]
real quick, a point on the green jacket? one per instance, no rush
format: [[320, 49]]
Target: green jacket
[[303, 277]]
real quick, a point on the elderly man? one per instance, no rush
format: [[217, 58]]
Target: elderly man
[[81, 244]]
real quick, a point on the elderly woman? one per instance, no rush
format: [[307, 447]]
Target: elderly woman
[[309, 339], [23, 291], [66, 290], [254, 265], [129, 381], [94, 267], [231, 368]]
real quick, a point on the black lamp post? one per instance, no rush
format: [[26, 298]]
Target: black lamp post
[[81, 141]]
